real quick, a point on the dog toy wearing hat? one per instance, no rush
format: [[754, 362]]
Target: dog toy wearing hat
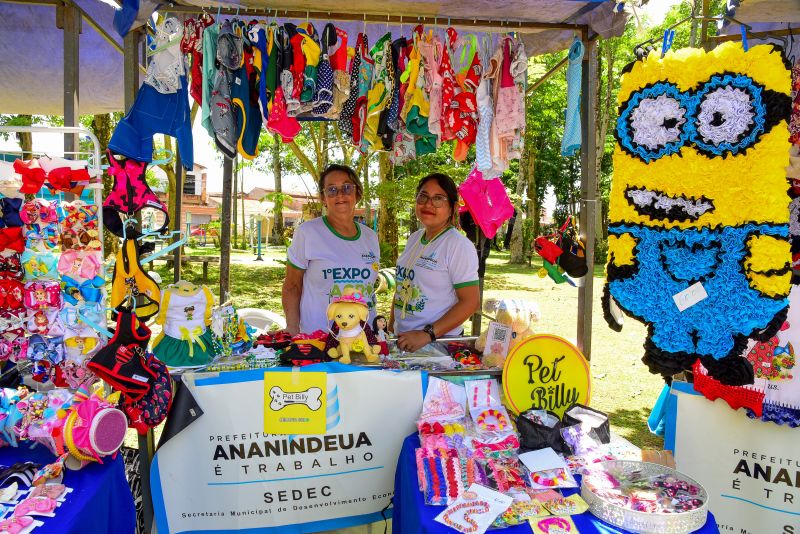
[[350, 332]]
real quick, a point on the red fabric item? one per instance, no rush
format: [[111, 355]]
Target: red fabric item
[[11, 238], [32, 176], [736, 396]]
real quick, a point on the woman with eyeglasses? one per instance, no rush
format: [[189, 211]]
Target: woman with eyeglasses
[[437, 273], [329, 254]]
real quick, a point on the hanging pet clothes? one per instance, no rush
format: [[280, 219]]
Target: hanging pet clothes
[[185, 315], [562, 251], [687, 124], [129, 195], [350, 332], [162, 103], [122, 362], [131, 285], [487, 202]]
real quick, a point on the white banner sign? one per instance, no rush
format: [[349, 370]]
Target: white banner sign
[[224, 473], [751, 469]]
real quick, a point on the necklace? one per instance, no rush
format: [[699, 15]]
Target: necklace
[[405, 291]]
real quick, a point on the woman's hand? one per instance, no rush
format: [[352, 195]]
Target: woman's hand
[[413, 340]]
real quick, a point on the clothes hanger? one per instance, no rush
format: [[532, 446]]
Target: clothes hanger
[[161, 156]]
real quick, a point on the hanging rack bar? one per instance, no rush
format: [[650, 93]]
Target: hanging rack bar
[[756, 35], [393, 19]]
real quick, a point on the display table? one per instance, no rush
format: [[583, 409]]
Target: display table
[[100, 501], [412, 515]]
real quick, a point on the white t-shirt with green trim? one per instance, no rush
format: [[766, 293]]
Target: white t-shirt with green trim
[[427, 288], [332, 263]]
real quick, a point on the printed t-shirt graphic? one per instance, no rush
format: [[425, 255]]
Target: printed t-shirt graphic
[[332, 263], [428, 274]]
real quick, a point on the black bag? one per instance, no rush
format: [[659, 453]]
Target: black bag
[[580, 414], [535, 436]]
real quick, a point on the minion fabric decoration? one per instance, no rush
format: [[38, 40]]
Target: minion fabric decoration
[[699, 195]]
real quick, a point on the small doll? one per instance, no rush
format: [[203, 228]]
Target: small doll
[[379, 329]]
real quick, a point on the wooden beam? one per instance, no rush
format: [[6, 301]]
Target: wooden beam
[[588, 191], [756, 35], [547, 74], [393, 18]]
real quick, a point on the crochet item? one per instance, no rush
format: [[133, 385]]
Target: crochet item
[[687, 124]]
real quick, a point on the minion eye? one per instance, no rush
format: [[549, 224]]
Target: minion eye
[[653, 122], [730, 115]]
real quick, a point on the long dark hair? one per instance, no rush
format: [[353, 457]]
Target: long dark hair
[[351, 174]]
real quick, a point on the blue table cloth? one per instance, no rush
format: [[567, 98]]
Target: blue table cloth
[[411, 514], [100, 501]]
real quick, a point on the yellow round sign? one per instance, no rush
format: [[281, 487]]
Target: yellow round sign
[[546, 372]]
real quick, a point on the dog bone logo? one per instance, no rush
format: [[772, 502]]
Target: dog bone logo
[[309, 397]]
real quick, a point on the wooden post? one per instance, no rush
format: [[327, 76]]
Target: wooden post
[[588, 190], [130, 87], [225, 229], [70, 22], [177, 223]]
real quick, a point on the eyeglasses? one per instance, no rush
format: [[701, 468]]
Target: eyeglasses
[[345, 189], [437, 200]]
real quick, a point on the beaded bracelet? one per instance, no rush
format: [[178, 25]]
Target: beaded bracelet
[[469, 508], [500, 418], [542, 478]]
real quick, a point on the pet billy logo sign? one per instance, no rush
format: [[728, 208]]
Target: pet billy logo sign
[[546, 372], [294, 403], [250, 467]]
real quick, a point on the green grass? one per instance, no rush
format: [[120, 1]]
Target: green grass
[[621, 384]]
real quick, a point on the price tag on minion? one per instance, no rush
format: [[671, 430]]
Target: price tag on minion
[[690, 296]]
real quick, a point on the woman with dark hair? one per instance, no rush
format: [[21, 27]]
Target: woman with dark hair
[[437, 273], [329, 254]]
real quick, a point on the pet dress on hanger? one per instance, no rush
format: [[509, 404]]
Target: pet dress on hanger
[[349, 105], [186, 340], [131, 282], [165, 69]]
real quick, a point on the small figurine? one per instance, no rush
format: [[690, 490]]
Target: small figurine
[[350, 331], [379, 329]]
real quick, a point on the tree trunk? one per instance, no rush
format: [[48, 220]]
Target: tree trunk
[[235, 211], [244, 213], [516, 245], [277, 170], [102, 128], [25, 139], [387, 218], [367, 193], [172, 193]]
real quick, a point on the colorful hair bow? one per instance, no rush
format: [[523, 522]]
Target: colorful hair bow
[[32, 176], [11, 238], [46, 349], [88, 291], [47, 234], [67, 179]]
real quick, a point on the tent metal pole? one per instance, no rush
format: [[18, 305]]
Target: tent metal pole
[[588, 189], [225, 229], [69, 20]]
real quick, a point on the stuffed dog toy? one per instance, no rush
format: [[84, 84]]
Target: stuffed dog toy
[[350, 332]]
